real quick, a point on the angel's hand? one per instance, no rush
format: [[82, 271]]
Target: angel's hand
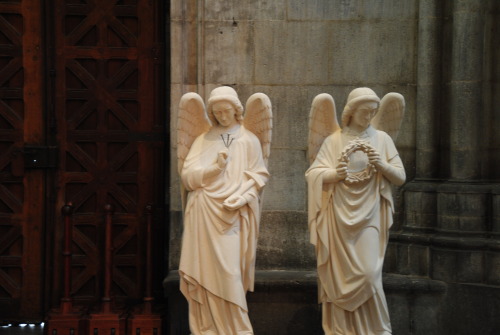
[[222, 159], [374, 158], [337, 174], [234, 202], [216, 168], [341, 170]]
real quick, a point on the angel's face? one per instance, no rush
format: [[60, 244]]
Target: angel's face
[[224, 113], [362, 116]]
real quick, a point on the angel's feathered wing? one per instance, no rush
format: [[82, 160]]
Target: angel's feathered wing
[[259, 120], [390, 114], [322, 123], [192, 121]]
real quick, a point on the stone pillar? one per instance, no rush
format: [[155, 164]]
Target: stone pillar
[[466, 88], [428, 88], [190, 44]]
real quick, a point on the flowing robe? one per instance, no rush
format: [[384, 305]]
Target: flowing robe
[[349, 226], [218, 249]]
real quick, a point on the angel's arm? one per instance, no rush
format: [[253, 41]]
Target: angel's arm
[[391, 168], [323, 167], [195, 175], [335, 175], [248, 191], [255, 178], [330, 174], [241, 197], [216, 168], [394, 171]]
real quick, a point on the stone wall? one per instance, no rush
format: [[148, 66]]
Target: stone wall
[[443, 57], [291, 50], [449, 231]]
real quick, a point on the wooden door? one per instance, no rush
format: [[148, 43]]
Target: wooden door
[[22, 191], [92, 91]]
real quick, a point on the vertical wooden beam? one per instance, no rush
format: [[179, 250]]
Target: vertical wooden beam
[[146, 322], [34, 194], [107, 321], [66, 320]]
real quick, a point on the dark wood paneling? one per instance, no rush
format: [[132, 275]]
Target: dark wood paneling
[[21, 191], [96, 96], [110, 133]]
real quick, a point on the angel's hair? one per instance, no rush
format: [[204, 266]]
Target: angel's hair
[[355, 98], [228, 94]]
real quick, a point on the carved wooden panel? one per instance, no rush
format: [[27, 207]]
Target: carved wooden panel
[[109, 128], [21, 192]]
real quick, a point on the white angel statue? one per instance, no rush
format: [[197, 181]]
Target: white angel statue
[[350, 206], [222, 161]]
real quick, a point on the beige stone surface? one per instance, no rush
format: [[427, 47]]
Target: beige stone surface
[[236, 11], [292, 51], [235, 65], [350, 206], [442, 57], [222, 161]]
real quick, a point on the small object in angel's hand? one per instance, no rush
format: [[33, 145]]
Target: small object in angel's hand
[[227, 139], [359, 167]]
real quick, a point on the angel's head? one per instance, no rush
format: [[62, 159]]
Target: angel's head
[[224, 99], [362, 104]]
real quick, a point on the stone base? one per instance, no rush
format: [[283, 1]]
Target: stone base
[[285, 303]]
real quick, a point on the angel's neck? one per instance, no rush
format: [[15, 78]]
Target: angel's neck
[[354, 132], [228, 129], [358, 129]]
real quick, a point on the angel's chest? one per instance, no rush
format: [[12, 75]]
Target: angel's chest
[[235, 149]]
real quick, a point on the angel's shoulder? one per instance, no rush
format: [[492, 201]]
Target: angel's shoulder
[[332, 139], [382, 134], [384, 137], [248, 133], [203, 136]]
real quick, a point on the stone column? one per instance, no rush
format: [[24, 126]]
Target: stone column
[[466, 88], [190, 44], [428, 88]]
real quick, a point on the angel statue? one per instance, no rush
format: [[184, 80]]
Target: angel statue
[[350, 206], [222, 161]]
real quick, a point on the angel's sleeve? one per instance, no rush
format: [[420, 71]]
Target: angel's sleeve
[[393, 169], [257, 169], [323, 161], [318, 192], [192, 172]]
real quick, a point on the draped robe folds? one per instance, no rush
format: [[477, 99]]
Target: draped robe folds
[[349, 225], [218, 249]]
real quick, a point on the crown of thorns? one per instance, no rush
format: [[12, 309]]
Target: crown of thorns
[[368, 172]]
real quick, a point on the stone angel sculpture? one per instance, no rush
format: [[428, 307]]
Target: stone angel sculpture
[[350, 205], [222, 161]]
